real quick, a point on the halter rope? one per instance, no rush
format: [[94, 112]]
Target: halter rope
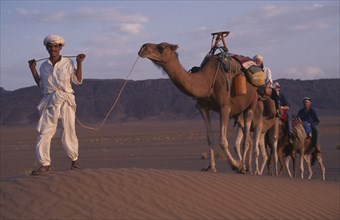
[[114, 103]]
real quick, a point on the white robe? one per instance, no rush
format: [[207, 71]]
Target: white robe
[[57, 104]]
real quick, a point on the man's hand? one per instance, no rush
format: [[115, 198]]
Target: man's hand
[[32, 64], [80, 58]]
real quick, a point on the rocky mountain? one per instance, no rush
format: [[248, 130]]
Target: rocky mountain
[[151, 99]]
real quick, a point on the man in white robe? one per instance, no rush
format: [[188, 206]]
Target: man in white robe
[[258, 59], [55, 78]]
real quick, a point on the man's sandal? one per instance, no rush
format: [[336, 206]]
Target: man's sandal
[[75, 165], [41, 170]]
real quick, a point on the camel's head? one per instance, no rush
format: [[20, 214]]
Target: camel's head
[[158, 53]]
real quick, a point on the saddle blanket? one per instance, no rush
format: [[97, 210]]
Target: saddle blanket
[[246, 62]]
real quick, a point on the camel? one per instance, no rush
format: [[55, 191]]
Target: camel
[[212, 88], [262, 124], [312, 154], [302, 145]]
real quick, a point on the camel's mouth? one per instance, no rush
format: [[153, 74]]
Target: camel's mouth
[[155, 60], [144, 54]]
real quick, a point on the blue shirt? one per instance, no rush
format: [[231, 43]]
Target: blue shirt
[[309, 115]]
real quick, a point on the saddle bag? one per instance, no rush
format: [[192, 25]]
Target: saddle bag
[[256, 76], [240, 85]]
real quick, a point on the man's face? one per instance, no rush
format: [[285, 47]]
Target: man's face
[[258, 62], [307, 104], [53, 49]]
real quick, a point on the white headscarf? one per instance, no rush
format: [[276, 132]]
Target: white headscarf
[[258, 56], [54, 39]]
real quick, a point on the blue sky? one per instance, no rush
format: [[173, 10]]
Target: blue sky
[[298, 39]]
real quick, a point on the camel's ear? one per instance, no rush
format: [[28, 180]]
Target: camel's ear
[[174, 47]]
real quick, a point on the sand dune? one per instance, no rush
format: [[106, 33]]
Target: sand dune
[[165, 194], [140, 170]]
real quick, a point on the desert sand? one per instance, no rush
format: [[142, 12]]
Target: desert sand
[[151, 170]]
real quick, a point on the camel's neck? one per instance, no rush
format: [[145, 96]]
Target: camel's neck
[[193, 84]]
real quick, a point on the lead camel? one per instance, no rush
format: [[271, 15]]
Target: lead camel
[[212, 88]]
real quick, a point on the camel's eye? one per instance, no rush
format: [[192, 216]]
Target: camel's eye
[[160, 48]]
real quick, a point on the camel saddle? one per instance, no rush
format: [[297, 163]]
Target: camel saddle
[[295, 120]]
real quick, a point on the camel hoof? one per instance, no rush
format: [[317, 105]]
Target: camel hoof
[[209, 169], [241, 171], [249, 171], [238, 168]]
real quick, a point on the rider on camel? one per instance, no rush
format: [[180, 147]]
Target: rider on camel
[[310, 120], [258, 59]]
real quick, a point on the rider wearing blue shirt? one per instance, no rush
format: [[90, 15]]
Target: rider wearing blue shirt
[[310, 120]]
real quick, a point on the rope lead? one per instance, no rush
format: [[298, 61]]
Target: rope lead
[[114, 103]]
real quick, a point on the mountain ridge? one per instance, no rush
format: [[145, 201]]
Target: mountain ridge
[[152, 99]]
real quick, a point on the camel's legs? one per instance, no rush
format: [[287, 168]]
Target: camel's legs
[[248, 115], [273, 133], [250, 152], [276, 158], [269, 161], [287, 166], [307, 158], [257, 135], [274, 140], [322, 166], [281, 160], [319, 159], [302, 167], [247, 156], [239, 137], [247, 148], [264, 153], [210, 138], [294, 163], [224, 118], [212, 166]]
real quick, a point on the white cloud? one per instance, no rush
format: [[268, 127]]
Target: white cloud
[[269, 11], [133, 28], [82, 15], [313, 7], [268, 26], [41, 16], [109, 14], [314, 26]]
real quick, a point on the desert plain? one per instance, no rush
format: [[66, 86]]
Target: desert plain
[[151, 169]]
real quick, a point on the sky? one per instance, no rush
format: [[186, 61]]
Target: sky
[[298, 39]]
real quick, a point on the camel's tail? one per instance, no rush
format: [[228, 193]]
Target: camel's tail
[[315, 155]]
